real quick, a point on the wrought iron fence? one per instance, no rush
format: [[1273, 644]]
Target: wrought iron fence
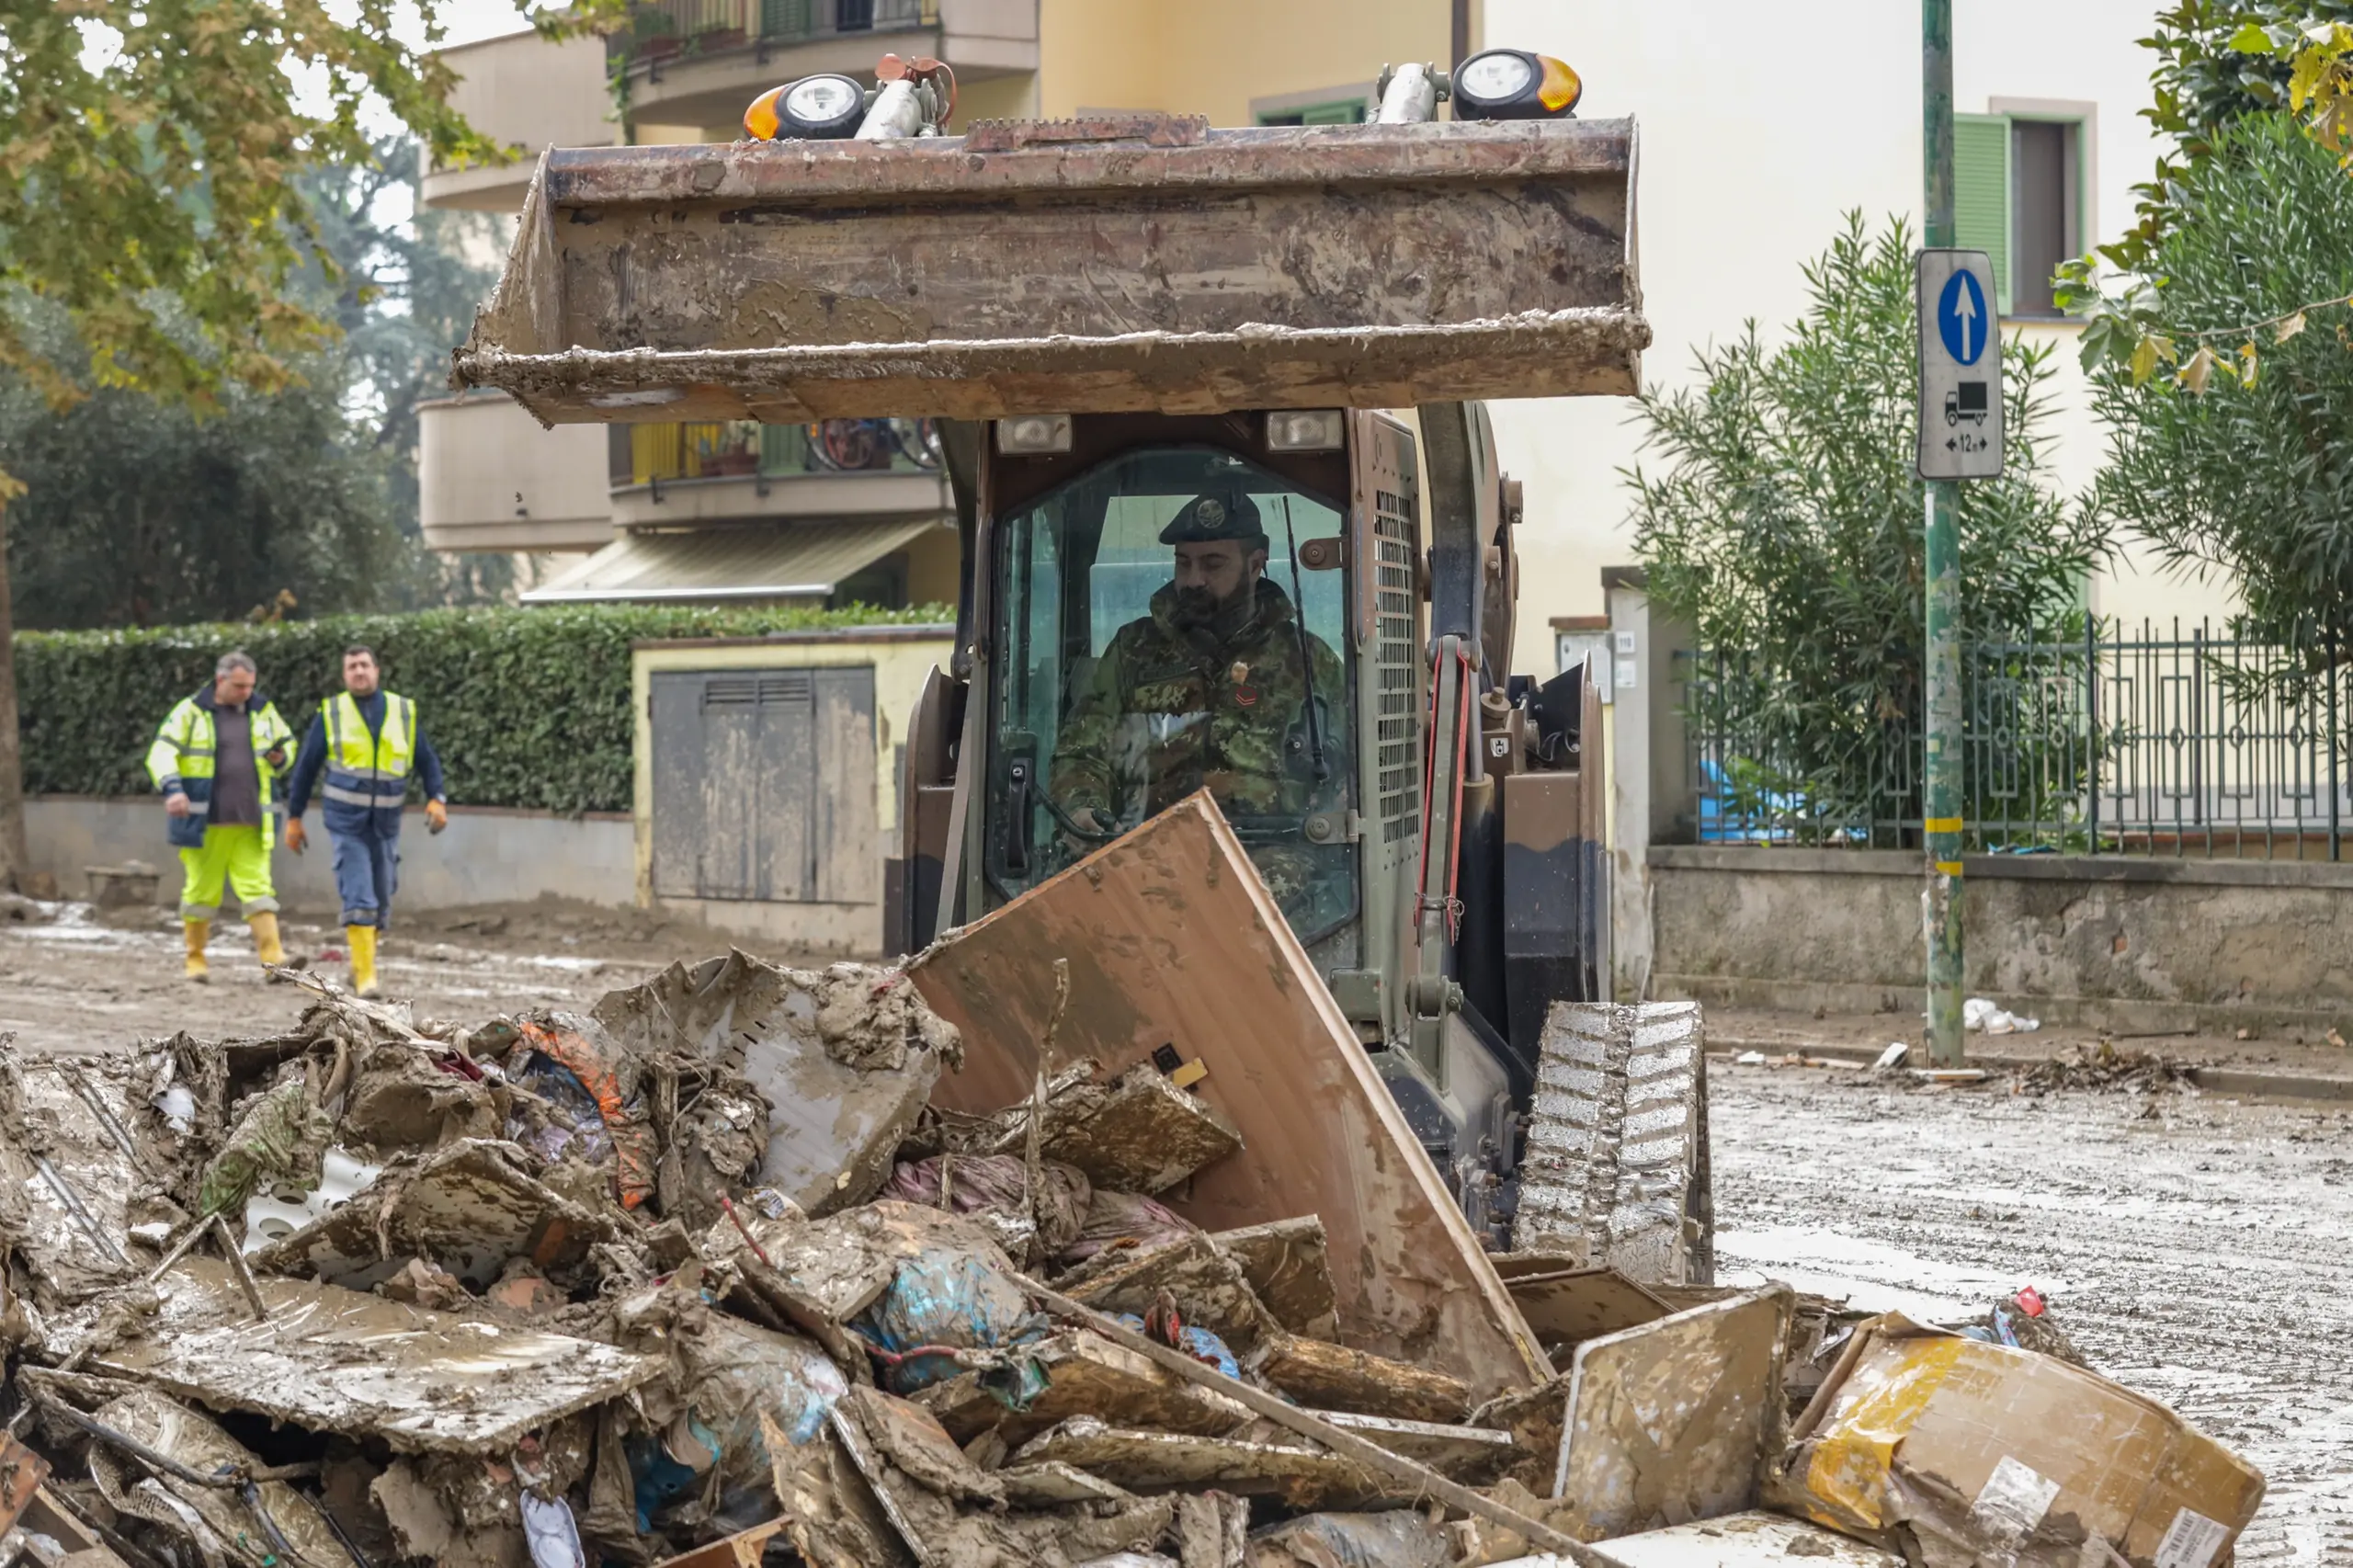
[[663, 29], [2176, 741]]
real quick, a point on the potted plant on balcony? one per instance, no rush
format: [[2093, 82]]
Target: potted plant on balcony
[[654, 36], [718, 41]]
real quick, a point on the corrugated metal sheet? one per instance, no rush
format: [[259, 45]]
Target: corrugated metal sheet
[[793, 561]]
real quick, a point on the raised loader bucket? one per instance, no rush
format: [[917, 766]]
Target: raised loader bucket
[[1129, 262]]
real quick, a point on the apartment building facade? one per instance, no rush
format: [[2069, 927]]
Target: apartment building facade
[[852, 510], [1756, 141], [1761, 128]]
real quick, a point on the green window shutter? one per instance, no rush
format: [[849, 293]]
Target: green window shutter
[[1981, 193], [1350, 113]]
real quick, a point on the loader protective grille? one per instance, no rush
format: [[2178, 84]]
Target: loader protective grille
[[1397, 545]]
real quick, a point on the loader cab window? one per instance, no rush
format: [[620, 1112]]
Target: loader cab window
[[1151, 622]]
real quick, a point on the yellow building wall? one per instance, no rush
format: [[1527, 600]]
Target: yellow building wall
[[1214, 57], [994, 98], [933, 562]]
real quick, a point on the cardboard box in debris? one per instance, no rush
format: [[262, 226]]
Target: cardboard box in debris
[[936, 1265]]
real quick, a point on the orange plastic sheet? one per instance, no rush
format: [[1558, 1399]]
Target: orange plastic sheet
[[590, 1060]]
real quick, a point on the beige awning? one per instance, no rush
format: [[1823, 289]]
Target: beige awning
[[790, 561]]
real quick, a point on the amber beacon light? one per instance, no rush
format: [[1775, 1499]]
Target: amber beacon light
[[1513, 84]]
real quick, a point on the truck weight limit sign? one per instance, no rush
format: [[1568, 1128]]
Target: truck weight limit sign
[[1960, 367]]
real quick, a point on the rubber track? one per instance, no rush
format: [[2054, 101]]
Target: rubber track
[[1616, 1149]]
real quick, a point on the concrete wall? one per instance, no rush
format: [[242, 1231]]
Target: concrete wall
[[2105, 941], [488, 856]]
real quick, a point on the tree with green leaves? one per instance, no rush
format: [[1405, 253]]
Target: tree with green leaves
[[1785, 525], [137, 512], [2220, 62], [2256, 480], [140, 511], [150, 159]]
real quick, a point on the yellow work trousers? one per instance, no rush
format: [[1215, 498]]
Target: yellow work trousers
[[237, 856]]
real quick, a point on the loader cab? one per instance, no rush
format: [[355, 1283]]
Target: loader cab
[[1170, 609]]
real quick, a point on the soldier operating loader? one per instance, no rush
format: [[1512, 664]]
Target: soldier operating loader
[[1230, 515]]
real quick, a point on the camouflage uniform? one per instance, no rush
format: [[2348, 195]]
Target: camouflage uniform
[[1171, 710]]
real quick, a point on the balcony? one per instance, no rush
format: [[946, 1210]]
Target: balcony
[[697, 63], [688, 474], [525, 91]]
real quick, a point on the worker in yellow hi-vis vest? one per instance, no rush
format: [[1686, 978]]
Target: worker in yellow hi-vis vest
[[216, 760], [368, 742]]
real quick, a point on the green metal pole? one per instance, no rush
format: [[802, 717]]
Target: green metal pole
[[1941, 780]]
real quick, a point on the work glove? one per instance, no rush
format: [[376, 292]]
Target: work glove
[[297, 839], [437, 816], [175, 803]]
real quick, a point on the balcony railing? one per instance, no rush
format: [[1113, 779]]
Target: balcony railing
[[660, 30], [742, 448]]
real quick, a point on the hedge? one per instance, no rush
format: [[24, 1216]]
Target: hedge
[[527, 707]]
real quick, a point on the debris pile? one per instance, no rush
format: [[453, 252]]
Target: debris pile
[[2109, 1066], [960, 1263]]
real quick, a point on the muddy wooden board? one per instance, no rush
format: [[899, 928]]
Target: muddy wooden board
[[333, 1360], [468, 1207], [1672, 1421], [1085, 1375], [62, 1129], [1576, 1305], [1172, 939], [1289, 1266], [837, 1111], [173, 1430], [1303, 1475], [1473, 1455]]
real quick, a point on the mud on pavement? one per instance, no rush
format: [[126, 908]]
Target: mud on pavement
[[72, 979], [2197, 1249]]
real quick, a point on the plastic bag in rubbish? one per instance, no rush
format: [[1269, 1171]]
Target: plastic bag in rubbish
[[1113, 1217], [578, 1128], [999, 1184], [178, 1106], [581, 1047], [735, 1374], [1982, 1014], [947, 1297], [1402, 1538], [1199, 1342]]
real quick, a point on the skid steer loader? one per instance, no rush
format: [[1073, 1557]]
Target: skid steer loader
[[1113, 317]]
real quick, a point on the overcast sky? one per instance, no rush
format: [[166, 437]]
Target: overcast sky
[[470, 19]]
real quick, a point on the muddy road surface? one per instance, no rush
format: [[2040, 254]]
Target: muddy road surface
[[2197, 1249], [73, 980]]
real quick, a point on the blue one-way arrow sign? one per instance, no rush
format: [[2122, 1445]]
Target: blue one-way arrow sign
[[1960, 367], [1960, 318]]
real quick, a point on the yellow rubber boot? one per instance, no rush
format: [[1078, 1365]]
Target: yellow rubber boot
[[267, 946], [361, 940], [198, 932]]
